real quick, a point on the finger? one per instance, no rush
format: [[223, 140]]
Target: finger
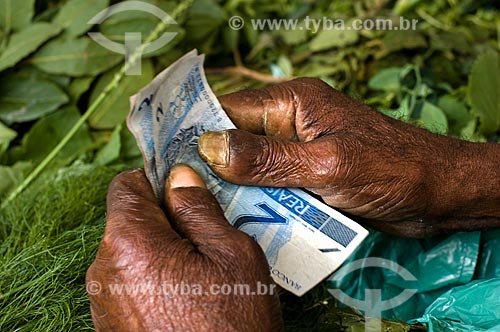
[[195, 213], [181, 176], [273, 110], [241, 157], [247, 108], [134, 217]]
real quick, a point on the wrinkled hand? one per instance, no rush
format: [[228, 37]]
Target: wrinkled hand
[[148, 254], [357, 159]]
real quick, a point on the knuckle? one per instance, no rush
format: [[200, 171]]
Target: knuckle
[[193, 202], [322, 161], [126, 178], [91, 272], [116, 243], [126, 189], [312, 89], [124, 244], [313, 103]]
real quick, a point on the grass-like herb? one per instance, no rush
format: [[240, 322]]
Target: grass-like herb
[[49, 235]]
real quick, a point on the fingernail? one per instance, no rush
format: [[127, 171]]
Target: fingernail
[[213, 147], [182, 175]]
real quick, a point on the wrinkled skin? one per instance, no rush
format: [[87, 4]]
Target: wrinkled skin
[[302, 133], [194, 245], [396, 177]]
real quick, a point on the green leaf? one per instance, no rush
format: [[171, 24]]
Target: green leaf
[[468, 132], [115, 108], [386, 79], [111, 151], [399, 40], [9, 178], [16, 14], [35, 73], [285, 65], [129, 15], [433, 119], [129, 150], [231, 38], [456, 112], [78, 86], [79, 57], [116, 30], [25, 42], [451, 40], [402, 113], [403, 6], [48, 131], [316, 69], [75, 14], [204, 17], [6, 136], [293, 36], [326, 39], [28, 98], [484, 87]]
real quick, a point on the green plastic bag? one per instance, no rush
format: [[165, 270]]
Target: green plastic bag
[[472, 307], [443, 269]]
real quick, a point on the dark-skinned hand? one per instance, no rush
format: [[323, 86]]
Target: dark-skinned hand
[[192, 246], [395, 176]]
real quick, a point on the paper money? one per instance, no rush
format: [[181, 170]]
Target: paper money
[[304, 240]]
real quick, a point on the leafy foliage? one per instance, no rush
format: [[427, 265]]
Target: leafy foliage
[[484, 85], [16, 15], [26, 41], [28, 97], [444, 76]]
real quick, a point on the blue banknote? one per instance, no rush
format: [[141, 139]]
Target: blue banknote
[[304, 240]]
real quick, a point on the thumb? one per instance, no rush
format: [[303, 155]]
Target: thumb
[[196, 215], [243, 158]]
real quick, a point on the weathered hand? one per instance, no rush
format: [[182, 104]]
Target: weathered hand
[[144, 255], [357, 159]]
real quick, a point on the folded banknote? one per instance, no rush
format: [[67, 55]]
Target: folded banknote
[[304, 240]]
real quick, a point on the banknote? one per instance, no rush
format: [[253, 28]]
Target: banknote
[[304, 240]]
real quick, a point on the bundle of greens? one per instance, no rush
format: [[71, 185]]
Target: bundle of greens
[[48, 238]]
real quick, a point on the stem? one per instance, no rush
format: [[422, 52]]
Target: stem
[[245, 72], [431, 20], [160, 27]]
